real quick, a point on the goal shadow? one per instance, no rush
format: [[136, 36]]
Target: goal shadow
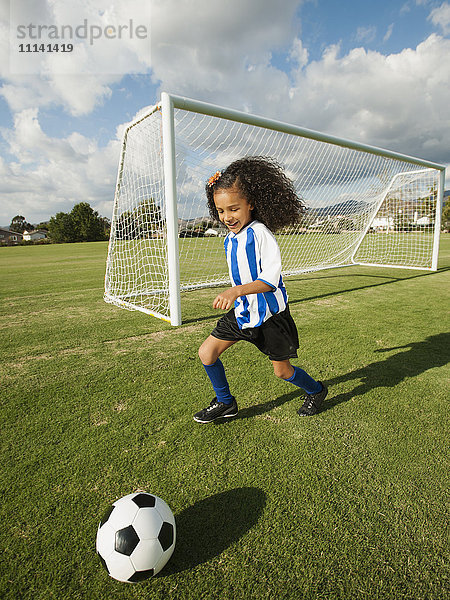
[[391, 280], [416, 358], [210, 526], [343, 289]]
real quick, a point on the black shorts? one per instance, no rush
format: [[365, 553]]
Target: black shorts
[[277, 337]]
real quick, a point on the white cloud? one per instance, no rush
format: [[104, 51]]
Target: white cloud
[[298, 53], [366, 34], [406, 8], [210, 57], [440, 17], [197, 45], [397, 101], [78, 80], [48, 175], [388, 34]]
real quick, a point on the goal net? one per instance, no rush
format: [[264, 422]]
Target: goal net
[[364, 205]]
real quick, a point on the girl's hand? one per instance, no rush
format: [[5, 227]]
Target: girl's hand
[[225, 300]]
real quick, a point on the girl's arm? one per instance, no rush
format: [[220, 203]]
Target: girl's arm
[[225, 300]]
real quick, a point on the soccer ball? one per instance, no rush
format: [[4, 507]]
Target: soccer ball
[[136, 537]]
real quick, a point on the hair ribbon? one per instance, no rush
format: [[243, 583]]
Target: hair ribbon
[[214, 178]]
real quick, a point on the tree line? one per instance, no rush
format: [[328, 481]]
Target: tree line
[[82, 224]]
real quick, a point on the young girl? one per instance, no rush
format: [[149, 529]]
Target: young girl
[[252, 197]]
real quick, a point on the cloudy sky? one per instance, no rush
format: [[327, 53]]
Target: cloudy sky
[[375, 72]]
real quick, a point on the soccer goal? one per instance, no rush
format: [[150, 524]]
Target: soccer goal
[[365, 205]]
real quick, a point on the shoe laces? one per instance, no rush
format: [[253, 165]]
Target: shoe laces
[[308, 403], [214, 404]]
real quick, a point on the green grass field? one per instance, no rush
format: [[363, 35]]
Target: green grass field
[[97, 402]]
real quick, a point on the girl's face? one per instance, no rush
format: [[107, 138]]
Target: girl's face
[[234, 209]]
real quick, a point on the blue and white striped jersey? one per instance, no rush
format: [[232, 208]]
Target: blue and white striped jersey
[[253, 253]]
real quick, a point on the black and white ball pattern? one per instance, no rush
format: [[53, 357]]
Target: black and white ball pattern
[[136, 537]]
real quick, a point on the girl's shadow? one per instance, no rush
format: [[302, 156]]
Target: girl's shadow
[[417, 358], [260, 409]]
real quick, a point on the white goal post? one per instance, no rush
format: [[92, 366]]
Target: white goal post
[[365, 205]]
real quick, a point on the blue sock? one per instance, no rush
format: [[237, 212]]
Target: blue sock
[[300, 378], [216, 373]]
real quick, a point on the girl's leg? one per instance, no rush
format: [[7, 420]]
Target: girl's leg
[[297, 376], [209, 353], [212, 348]]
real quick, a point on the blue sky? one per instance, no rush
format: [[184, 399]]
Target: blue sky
[[375, 72], [388, 27]]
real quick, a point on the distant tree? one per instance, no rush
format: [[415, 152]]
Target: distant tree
[[446, 215], [146, 218], [106, 224], [141, 222], [124, 226], [61, 228], [87, 223], [82, 224], [345, 224], [426, 205], [19, 224]]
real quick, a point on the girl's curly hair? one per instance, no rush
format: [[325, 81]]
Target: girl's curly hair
[[262, 182]]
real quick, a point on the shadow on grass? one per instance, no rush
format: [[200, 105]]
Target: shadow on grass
[[343, 290], [355, 288], [417, 358], [208, 527], [260, 409]]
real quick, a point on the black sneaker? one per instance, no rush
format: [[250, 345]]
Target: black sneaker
[[216, 410], [312, 403]]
